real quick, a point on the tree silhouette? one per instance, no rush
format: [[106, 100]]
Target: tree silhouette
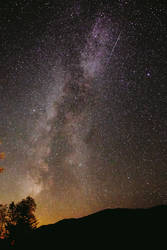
[[3, 208], [20, 219], [3, 218]]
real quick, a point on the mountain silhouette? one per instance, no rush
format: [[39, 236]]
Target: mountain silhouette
[[132, 228]]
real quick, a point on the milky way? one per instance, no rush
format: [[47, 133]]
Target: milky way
[[83, 106]]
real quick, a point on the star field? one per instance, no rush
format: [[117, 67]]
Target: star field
[[83, 105]]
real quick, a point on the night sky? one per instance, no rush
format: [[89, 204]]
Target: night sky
[[83, 105]]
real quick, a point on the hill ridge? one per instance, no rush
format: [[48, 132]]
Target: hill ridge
[[109, 210], [109, 226]]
